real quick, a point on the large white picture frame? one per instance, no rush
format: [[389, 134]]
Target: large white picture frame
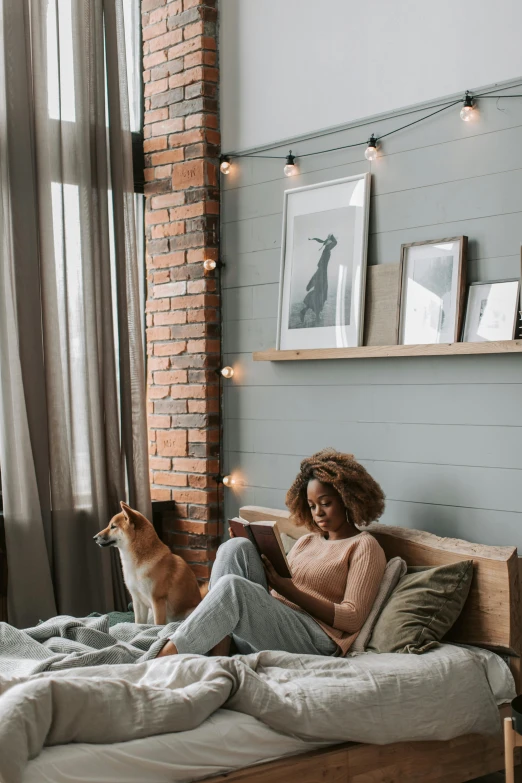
[[323, 264]]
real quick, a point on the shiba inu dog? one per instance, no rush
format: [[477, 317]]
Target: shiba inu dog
[[157, 579]]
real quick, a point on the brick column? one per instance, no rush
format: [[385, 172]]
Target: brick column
[[182, 220]]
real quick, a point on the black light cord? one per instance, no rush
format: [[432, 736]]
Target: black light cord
[[444, 107], [421, 119], [349, 146], [324, 133]]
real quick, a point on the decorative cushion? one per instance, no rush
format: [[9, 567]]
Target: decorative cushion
[[288, 542], [395, 568], [422, 608]]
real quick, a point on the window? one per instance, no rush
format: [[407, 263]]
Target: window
[[65, 195]]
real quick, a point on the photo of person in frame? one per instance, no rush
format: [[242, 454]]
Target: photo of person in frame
[[321, 264], [318, 285]]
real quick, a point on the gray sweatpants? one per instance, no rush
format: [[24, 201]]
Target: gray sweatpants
[[239, 604]]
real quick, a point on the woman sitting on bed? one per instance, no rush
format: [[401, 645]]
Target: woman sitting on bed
[[337, 570]]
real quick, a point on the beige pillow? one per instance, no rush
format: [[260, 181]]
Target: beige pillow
[[395, 568], [288, 542], [422, 608]]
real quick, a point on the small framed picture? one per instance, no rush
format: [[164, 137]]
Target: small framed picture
[[491, 312], [323, 264], [432, 292]]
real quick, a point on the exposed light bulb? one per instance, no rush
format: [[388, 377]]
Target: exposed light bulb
[[228, 481], [467, 113], [290, 169], [370, 153], [227, 372], [209, 264], [224, 166]]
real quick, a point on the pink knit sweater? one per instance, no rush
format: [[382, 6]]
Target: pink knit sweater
[[347, 572]]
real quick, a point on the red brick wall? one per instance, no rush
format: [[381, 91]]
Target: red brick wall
[[182, 220]]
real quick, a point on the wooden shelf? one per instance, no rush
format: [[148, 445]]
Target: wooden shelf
[[381, 351]]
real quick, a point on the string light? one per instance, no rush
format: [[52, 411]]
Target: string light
[[290, 169], [370, 153], [224, 166], [210, 264], [227, 481], [467, 112]]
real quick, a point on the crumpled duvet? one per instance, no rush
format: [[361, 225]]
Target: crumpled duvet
[[366, 698], [65, 642]]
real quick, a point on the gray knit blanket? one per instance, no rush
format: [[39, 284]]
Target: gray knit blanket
[[67, 643]]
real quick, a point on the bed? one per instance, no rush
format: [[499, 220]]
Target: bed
[[253, 752], [229, 739]]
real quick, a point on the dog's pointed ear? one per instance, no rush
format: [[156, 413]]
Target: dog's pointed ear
[[132, 516], [128, 513]]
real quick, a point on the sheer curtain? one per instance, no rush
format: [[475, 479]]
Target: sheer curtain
[[73, 438]]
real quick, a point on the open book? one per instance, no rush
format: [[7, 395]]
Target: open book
[[267, 540]]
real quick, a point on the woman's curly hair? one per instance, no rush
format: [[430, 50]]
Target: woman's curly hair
[[360, 493]]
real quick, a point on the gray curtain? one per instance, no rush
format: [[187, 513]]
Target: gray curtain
[[73, 437]]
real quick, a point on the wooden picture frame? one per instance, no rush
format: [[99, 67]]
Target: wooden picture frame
[[425, 318]]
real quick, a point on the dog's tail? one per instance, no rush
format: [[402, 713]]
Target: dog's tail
[[203, 589]]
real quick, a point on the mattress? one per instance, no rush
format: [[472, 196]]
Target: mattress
[[227, 740]]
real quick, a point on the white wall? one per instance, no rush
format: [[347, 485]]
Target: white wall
[[293, 66]]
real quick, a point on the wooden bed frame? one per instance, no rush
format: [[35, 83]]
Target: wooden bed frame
[[490, 619]]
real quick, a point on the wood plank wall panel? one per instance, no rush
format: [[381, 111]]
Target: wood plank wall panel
[[442, 435]]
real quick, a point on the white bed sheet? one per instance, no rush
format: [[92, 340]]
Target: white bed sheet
[[225, 741]]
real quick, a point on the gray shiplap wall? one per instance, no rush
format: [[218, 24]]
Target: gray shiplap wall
[[442, 435]]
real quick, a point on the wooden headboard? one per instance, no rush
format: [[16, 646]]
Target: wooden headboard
[[491, 616]]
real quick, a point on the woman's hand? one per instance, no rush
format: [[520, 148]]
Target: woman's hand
[[280, 584], [319, 608]]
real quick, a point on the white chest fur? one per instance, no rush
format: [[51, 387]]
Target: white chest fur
[[136, 577]]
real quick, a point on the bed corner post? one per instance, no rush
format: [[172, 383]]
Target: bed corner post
[[515, 662]]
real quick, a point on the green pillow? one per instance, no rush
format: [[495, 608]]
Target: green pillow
[[422, 608]]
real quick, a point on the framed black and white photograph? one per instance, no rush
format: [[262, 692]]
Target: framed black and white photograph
[[323, 264], [432, 292], [492, 311]]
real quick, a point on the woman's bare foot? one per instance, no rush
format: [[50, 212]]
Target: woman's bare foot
[[222, 647], [168, 649]]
